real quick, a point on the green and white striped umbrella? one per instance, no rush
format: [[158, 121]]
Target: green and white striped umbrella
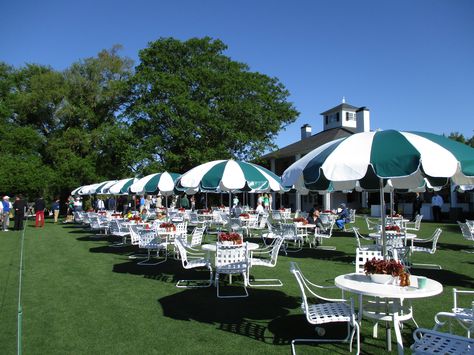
[[370, 159], [154, 183], [406, 158], [89, 189], [230, 176], [75, 192], [103, 189], [121, 187]]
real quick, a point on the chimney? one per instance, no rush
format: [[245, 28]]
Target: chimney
[[363, 119], [305, 131]]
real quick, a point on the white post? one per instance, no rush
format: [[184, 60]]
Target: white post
[[297, 194], [272, 169], [327, 201]]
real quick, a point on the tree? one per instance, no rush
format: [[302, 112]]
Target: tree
[[191, 103], [458, 137]]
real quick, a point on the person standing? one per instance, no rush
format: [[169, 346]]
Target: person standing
[[184, 203], [6, 213], [266, 202], [39, 211], [193, 203], [19, 206], [100, 204], [417, 203], [55, 209], [436, 204], [111, 204]]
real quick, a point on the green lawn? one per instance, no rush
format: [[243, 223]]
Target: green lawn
[[82, 296]]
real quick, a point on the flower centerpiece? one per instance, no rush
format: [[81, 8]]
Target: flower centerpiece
[[393, 229], [385, 271], [136, 219], [168, 226], [244, 215], [282, 209], [181, 209], [396, 215], [328, 211], [300, 220], [230, 238]]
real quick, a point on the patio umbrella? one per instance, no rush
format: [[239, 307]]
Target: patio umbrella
[[89, 189], [230, 176], [371, 158], [104, 187], [154, 183], [121, 186], [76, 191]]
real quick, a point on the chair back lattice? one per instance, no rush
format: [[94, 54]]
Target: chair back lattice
[[114, 227], [196, 237], [134, 236], [231, 259], [148, 239], [263, 221], [352, 216], [466, 231], [275, 250], [362, 256], [436, 235], [179, 242]]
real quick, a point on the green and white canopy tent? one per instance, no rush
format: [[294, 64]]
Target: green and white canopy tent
[[370, 159]]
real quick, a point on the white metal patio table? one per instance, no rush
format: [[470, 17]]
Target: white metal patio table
[[363, 285]]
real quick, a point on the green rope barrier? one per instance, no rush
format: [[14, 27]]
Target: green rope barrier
[[20, 279]]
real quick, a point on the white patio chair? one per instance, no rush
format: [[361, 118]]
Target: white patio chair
[[376, 308], [319, 236], [151, 241], [231, 260], [467, 234], [415, 225], [470, 224], [135, 240], [270, 234], [78, 217], [289, 232], [372, 225], [267, 257], [360, 237], [98, 225], [196, 237], [433, 342], [118, 229], [429, 250], [464, 316], [328, 311], [235, 226], [191, 259]]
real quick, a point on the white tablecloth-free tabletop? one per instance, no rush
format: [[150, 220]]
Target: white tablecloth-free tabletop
[[213, 247]]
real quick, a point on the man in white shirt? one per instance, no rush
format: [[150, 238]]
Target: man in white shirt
[[259, 209], [436, 204]]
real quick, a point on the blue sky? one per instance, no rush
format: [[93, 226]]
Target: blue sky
[[410, 62]]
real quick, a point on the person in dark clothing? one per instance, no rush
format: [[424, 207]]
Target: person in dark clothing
[[40, 205], [19, 207], [111, 204], [417, 203]]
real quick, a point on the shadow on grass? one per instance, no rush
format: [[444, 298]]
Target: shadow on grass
[[445, 277], [247, 317]]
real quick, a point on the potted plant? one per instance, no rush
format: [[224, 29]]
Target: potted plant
[[383, 271]]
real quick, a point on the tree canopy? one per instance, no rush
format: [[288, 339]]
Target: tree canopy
[[101, 118]]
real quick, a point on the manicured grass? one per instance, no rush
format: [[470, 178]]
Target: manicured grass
[[82, 296]]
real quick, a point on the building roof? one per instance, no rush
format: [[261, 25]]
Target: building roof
[[340, 107], [306, 145]]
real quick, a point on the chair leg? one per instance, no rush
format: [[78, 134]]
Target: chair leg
[[185, 283], [238, 296], [147, 261]]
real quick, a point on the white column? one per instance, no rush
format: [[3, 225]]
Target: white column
[[326, 201], [454, 195]]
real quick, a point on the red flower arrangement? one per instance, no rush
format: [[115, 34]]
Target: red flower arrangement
[[222, 207], [387, 267], [168, 226], [328, 211], [181, 209], [135, 218], [282, 209], [236, 238], [300, 220], [396, 215], [393, 228], [244, 215]]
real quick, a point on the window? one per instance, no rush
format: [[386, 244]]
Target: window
[[350, 116], [327, 119]]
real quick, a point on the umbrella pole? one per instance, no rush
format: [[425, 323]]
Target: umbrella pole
[[382, 216]]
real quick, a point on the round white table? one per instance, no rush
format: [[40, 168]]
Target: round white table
[[406, 236], [362, 285], [213, 247]]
